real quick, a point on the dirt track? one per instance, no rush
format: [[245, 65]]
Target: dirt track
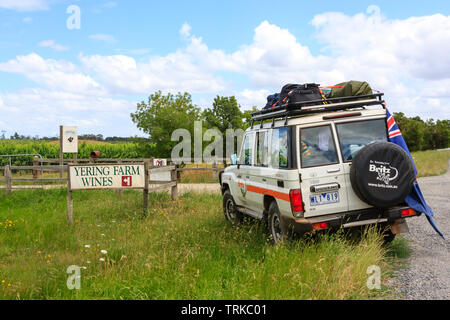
[[427, 275]]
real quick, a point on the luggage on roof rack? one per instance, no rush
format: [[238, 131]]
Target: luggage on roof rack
[[316, 106]]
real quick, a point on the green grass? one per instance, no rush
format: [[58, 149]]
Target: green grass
[[183, 249], [431, 162]]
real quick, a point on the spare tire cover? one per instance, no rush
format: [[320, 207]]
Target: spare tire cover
[[382, 174]]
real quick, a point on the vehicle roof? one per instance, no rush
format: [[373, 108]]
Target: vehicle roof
[[318, 118]]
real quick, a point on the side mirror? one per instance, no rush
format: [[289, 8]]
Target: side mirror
[[234, 159]]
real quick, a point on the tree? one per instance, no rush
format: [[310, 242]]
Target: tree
[[162, 115], [224, 114], [248, 116]]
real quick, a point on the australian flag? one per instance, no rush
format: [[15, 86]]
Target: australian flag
[[415, 199]]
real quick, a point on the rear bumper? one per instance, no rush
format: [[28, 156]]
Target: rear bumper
[[347, 219]]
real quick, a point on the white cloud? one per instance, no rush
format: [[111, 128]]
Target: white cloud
[[249, 98], [27, 19], [107, 38], [185, 30], [53, 74], [47, 109], [24, 5], [53, 45], [174, 72], [110, 4], [404, 58]]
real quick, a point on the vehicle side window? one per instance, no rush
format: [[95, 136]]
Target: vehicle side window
[[247, 149], [262, 149], [280, 148], [353, 136], [317, 147]]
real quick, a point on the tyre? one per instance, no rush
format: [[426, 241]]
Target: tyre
[[382, 174], [229, 208], [277, 232]]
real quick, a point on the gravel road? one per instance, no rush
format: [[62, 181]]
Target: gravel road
[[427, 275]]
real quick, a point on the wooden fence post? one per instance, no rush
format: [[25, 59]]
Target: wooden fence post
[[35, 171], [214, 170], [8, 179], [69, 199], [61, 154], [119, 191], [174, 189], [145, 192]]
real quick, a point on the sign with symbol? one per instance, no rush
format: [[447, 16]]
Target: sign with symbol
[[100, 176], [126, 181], [159, 162], [69, 139]]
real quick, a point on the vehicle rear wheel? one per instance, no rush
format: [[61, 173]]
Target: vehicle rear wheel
[[277, 232], [229, 208]]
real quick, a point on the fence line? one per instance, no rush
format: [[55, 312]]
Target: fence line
[[9, 179]]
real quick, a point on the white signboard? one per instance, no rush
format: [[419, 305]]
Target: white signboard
[[98, 176], [69, 139], [160, 176], [159, 162]]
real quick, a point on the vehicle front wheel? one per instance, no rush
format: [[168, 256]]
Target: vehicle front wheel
[[277, 232], [229, 208]]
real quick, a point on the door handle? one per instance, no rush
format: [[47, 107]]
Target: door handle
[[264, 179], [325, 187], [333, 170]]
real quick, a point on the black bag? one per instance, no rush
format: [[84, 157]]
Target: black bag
[[272, 101], [292, 93]]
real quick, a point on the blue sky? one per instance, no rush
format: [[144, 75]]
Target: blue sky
[[93, 76]]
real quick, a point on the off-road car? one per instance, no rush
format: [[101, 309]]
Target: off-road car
[[311, 167]]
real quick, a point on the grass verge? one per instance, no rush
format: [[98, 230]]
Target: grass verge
[[431, 162], [182, 250]]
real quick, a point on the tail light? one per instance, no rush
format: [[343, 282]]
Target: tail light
[[320, 226], [408, 212], [295, 196]]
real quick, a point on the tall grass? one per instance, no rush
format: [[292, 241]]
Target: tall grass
[[431, 162], [182, 249]]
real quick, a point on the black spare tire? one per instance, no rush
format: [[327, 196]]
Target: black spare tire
[[382, 174]]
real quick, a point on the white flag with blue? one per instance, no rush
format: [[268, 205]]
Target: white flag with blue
[[415, 199]]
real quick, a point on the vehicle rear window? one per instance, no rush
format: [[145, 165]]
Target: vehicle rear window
[[353, 136], [280, 149], [317, 147]]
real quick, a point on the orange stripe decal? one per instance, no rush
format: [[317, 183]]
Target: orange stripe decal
[[275, 194]]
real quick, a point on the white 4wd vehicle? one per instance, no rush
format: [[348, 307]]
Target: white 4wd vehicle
[[316, 167]]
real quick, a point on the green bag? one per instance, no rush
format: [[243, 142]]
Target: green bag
[[350, 88]]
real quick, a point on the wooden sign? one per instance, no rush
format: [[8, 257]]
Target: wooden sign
[[102, 176], [69, 139]]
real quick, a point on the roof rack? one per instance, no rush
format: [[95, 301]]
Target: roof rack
[[317, 106]]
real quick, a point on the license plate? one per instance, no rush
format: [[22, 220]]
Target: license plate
[[324, 198]]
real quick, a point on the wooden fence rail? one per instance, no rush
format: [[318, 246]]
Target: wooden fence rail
[[38, 183]]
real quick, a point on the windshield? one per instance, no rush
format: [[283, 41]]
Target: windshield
[[353, 136]]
